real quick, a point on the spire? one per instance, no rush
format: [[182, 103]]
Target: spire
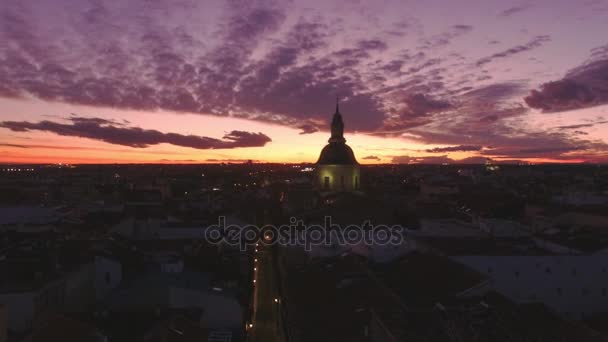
[[337, 105], [337, 126]]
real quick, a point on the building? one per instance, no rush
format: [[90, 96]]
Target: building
[[337, 168], [3, 324]]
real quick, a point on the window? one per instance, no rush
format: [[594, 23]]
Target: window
[[604, 291], [559, 291], [516, 273], [342, 181], [326, 183], [548, 270], [108, 278]]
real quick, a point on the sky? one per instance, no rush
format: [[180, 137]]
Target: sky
[[206, 81]]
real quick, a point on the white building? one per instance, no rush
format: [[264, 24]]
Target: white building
[[573, 285]]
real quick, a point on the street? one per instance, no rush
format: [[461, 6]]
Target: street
[[265, 302]]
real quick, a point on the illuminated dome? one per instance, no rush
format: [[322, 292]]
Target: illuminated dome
[[337, 154]]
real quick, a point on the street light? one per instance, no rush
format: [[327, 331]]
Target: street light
[[255, 268], [276, 300]]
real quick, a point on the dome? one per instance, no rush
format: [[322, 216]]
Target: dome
[[337, 154]]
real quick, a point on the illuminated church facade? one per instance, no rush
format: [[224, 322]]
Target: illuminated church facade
[[337, 170]]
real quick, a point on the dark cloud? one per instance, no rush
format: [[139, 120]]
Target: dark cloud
[[371, 158], [584, 125], [100, 129], [308, 129], [459, 148], [445, 37], [548, 150], [372, 44], [421, 105], [534, 43], [53, 147], [583, 87], [513, 10]]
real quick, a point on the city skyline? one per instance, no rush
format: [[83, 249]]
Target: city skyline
[[213, 81]]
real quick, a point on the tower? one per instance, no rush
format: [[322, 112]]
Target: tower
[[337, 169]]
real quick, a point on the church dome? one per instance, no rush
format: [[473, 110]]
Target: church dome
[[337, 153]]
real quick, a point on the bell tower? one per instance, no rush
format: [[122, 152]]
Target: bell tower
[[337, 170]]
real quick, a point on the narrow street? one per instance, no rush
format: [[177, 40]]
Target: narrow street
[[266, 302]]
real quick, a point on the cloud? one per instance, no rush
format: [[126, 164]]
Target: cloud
[[420, 105], [279, 62], [583, 87], [308, 129], [513, 10], [584, 125], [371, 158], [548, 150], [372, 44], [446, 37], [103, 130], [459, 148], [534, 43]]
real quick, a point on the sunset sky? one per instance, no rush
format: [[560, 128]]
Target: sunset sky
[[203, 81]]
